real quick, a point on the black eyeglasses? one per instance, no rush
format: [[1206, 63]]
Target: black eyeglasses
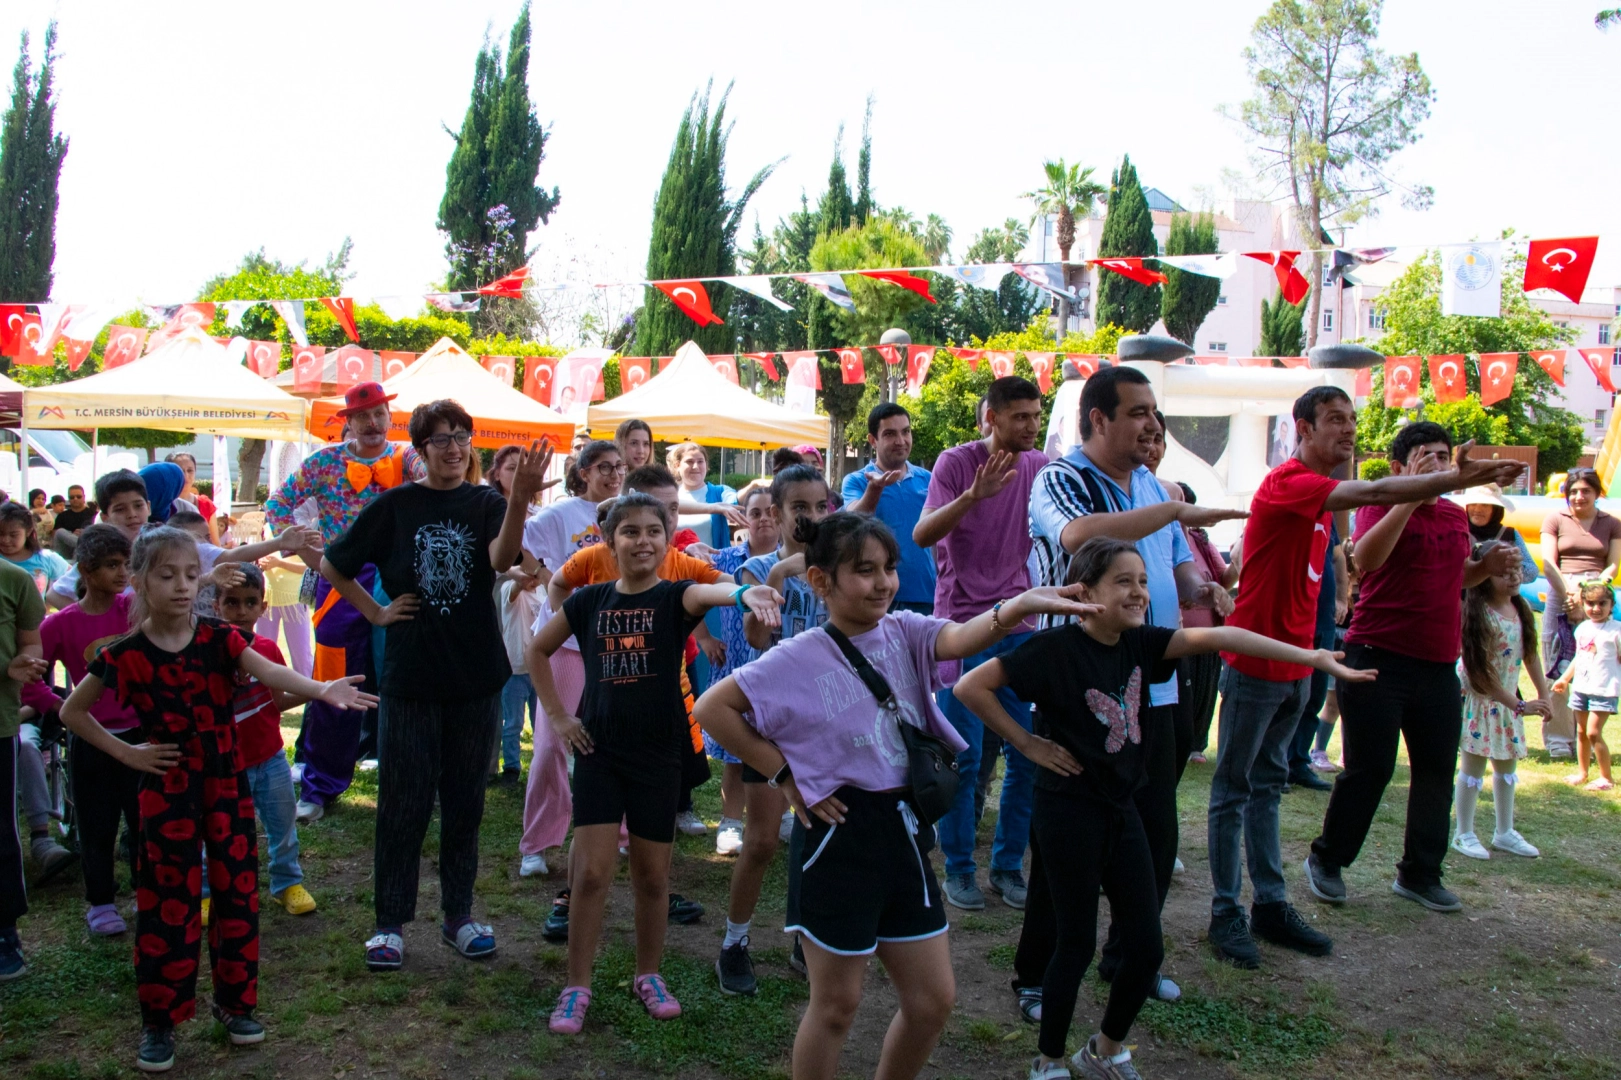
[[443, 439], [606, 468]]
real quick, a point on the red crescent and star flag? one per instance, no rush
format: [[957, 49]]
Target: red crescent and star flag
[[1598, 360], [1447, 378], [767, 361], [919, 358], [1290, 280], [692, 299], [343, 309], [1497, 376], [1401, 382], [1561, 265], [1553, 362], [851, 365]]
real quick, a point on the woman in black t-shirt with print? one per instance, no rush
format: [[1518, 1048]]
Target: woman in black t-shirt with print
[[438, 544], [1089, 682]]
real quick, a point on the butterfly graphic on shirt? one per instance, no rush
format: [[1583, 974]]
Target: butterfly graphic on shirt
[[1119, 712]]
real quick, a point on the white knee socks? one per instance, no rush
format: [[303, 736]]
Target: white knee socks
[[1471, 775], [1504, 780]]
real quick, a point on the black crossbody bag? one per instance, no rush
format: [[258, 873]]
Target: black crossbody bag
[[930, 763]]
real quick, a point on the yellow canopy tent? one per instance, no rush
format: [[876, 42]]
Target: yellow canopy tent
[[690, 400], [500, 414], [192, 383]]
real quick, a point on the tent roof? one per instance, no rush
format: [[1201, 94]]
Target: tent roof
[[191, 383], [690, 400], [500, 413], [11, 401], [329, 375]]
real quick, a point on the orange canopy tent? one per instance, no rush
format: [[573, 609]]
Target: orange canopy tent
[[500, 413]]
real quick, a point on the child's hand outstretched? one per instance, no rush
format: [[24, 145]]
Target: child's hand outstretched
[[764, 603], [226, 576], [154, 758], [1046, 600], [570, 732], [400, 609], [345, 693], [296, 538], [1329, 661]]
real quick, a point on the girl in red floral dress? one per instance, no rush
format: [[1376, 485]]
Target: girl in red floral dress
[[179, 672]]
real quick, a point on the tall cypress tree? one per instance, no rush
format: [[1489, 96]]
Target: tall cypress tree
[[491, 202], [694, 231], [1282, 333], [31, 156], [1128, 231], [863, 205], [837, 211], [1188, 298]]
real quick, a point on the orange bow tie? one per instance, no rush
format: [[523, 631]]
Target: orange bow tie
[[361, 475]]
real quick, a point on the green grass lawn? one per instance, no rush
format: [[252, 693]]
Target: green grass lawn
[[1525, 982]]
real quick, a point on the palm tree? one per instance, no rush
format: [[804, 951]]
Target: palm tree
[[1607, 18], [936, 238], [1070, 191]]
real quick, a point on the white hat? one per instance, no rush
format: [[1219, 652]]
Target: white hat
[[1485, 495]]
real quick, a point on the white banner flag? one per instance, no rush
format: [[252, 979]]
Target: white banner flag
[[980, 275], [235, 309], [830, 286], [1472, 279], [1216, 266], [292, 313], [759, 285]]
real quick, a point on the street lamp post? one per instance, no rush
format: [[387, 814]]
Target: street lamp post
[[896, 337]]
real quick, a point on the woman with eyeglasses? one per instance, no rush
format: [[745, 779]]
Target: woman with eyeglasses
[[438, 545]]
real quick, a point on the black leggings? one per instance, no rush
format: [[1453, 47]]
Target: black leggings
[[1197, 678], [1088, 843], [13, 886], [104, 790]]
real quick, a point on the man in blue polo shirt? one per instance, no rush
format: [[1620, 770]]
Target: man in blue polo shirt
[[894, 489]]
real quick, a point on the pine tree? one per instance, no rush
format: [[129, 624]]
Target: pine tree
[[1282, 333], [863, 205], [694, 231], [31, 156], [491, 203], [836, 212], [1128, 231], [1188, 298]]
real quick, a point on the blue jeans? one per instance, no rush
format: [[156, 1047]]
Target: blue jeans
[[517, 693], [1258, 720], [271, 784], [957, 828]]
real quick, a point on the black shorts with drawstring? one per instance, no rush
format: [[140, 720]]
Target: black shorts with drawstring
[[868, 880]]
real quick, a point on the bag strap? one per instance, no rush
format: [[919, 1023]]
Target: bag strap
[[868, 674]]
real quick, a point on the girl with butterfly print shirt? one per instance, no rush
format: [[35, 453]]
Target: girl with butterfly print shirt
[[1089, 683]]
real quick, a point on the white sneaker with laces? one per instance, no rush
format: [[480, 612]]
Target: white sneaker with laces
[[1515, 844], [532, 865], [1053, 1070], [1469, 844], [310, 812], [1177, 867], [729, 837], [690, 823]]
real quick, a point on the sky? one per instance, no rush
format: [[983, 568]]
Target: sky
[[203, 131]]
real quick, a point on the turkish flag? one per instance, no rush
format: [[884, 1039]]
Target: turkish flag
[[343, 309], [11, 320], [1294, 361], [1497, 375], [798, 363], [188, 316], [970, 355], [664, 362], [851, 365], [634, 371], [1042, 364], [1086, 364], [1401, 382], [307, 363], [1291, 281], [726, 365], [1209, 359], [502, 367], [352, 366], [264, 358], [1447, 378], [1561, 265], [78, 351], [767, 361], [890, 353], [1599, 361], [31, 342], [1364, 383], [511, 285], [537, 377], [1133, 269], [692, 299], [1001, 364], [1553, 362], [123, 345], [905, 281], [396, 362], [1255, 361], [919, 358], [599, 388]]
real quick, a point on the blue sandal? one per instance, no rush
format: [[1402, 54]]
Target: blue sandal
[[473, 940], [385, 951]]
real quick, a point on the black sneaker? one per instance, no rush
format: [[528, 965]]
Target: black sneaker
[[244, 1030], [684, 911], [1325, 883], [157, 1050], [555, 929], [1309, 780], [1281, 924], [1230, 937], [1433, 897], [511, 778], [735, 969], [12, 965], [796, 959]]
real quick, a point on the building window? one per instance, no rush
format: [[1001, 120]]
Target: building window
[[1599, 416], [1328, 274], [1376, 319], [1603, 333], [1560, 322], [1328, 319], [1221, 301], [1218, 346]]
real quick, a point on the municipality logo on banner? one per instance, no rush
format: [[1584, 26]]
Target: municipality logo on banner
[[1472, 279]]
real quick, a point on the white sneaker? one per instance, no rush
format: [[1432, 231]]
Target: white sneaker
[[690, 823], [1513, 843], [297, 769], [532, 865], [786, 829], [1177, 867], [366, 765], [1469, 844], [309, 812], [729, 837], [1054, 1070]]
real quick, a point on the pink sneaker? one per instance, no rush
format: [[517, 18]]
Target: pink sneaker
[[657, 998], [1320, 762], [569, 1016]]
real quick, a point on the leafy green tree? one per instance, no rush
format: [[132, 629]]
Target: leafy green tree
[[1330, 110], [1187, 298], [1414, 326], [1069, 192], [1128, 231], [694, 231], [995, 245], [1281, 332], [31, 156]]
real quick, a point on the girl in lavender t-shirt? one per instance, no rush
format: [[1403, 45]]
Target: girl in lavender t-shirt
[[859, 879]]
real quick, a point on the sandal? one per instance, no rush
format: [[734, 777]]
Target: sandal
[[1029, 1003], [569, 1015], [105, 921], [473, 940], [1600, 784], [385, 951]]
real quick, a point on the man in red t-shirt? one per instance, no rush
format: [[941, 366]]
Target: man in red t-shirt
[[1285, 543]]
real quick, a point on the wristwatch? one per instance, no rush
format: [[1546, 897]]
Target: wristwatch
[[782, 774]]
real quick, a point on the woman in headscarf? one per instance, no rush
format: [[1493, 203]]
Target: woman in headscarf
[[164, 482], [1486, 506]]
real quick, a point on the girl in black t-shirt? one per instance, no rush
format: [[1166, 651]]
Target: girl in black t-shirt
[[1089, 682], [627, 740]]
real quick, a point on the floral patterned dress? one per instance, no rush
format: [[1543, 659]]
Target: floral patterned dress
[[1490, 729]]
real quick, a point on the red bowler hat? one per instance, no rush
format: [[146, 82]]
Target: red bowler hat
[[368, 395]]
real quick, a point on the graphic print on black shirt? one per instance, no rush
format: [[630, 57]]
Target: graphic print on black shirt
[[1092, 699], [444, 564]]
